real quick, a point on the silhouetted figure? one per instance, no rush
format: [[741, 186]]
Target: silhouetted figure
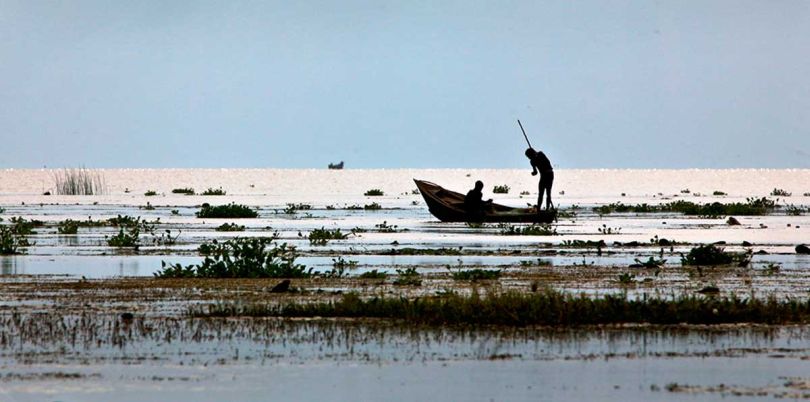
[[474, 203], [540, 163]]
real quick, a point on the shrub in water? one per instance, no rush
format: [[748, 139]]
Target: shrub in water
[[319, 237], [68, 226], [477, 274], [374, 192], [212, 191], [707, 254], [230, 227], [504, 189], [186, 191], [231, 210], [242, 258]]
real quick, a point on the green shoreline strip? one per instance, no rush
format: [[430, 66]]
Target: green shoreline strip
[[542, 308]]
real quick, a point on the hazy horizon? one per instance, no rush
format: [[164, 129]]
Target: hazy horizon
[[188, 84]]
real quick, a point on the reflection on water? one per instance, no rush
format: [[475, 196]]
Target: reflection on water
[[8, 264]]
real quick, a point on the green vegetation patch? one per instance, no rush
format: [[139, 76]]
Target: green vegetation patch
[[752, 206], [231, 210], [256, 257], [186, 191], [230, 227], [529, 230], [476, 274], [320, 237], [545, 307], [214, 191], [710, 254], [374, 192], [501, 189]]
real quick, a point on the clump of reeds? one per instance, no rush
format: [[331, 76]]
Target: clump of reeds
[[241, 258], [231, 210], [543, 307], [79, 181]]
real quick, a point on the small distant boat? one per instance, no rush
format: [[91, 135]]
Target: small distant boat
[[336, 166], [448, 206]]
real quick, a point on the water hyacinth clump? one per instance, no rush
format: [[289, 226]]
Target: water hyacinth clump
[[186, 191], [320, 237], [255, 257], [374, 192], [231, 210]]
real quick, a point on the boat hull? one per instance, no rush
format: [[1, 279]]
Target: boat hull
[[448, 206]]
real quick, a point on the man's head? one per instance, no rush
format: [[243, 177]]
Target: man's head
[[479, 185], [530, 152]]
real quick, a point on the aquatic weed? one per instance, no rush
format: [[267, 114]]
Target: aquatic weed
[[231, 210]]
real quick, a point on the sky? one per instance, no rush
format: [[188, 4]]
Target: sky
[[404, 84]]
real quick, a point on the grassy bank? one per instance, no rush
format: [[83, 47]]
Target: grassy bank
[[541, 308]]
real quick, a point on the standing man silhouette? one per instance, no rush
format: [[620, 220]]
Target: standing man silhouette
[[540, 163]]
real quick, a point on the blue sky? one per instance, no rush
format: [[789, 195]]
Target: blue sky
[[381, 84]]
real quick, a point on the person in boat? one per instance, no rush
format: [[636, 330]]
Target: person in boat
[[474, 203], [540, 163]]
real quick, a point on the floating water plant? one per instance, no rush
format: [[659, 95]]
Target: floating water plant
[[79, 181], [778, 192], [501, 189], [608, 230], [752, 206], [339, 268], [293, 208], [253, 257], [374, 192], [386, 228], [186, 191], [319, 237], [150, 193], [214, 191], [719, 193], [529, 230], [231, 210], [230, 227]]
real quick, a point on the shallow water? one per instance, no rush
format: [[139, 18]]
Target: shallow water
[[361, 362]]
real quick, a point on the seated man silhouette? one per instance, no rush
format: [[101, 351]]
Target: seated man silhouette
[[474, 204]]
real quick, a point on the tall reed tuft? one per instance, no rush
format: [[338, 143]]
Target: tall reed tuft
[[79, 181]]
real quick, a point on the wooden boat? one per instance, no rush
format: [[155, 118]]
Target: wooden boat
[[448, 206]]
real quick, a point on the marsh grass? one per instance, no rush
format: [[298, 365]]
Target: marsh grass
[[79, 181], [476, 274], [543, 307], [373, 274], [255, 257], [231, 210], [408, 277]]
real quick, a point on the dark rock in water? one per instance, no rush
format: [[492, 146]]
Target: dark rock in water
[[127, 316], [709, 290], [664, 242], [732, 221], [802, 249], [282, 287], [746, 244], [761, 252]]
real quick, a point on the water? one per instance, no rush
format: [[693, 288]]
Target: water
[[62, 275]]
